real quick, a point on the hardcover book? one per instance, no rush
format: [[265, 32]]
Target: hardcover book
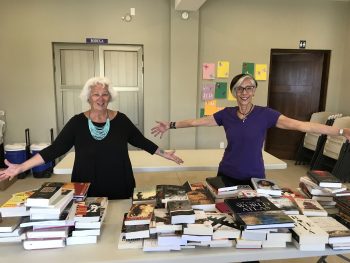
[[324, 179], [221, 184], [266, 186], [258, 213]]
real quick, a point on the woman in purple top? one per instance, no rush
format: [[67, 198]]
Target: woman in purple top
[[245, 127]]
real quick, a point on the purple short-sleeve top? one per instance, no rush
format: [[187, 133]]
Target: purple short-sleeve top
[[243, 159]]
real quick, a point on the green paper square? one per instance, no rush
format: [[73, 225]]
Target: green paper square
[[221, 90], [201, 112], [248, 67]]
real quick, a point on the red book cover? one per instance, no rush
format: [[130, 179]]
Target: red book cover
[[222, 207]]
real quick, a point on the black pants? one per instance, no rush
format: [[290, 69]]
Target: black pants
[[236, 181]]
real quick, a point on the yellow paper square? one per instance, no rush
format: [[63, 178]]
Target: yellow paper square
[[223, 69], [229, 95], [260, 71]]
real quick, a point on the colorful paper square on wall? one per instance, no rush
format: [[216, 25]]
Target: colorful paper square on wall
[[221, 90], [248, 68], [208, 91], [229, 95], [201, 113], [208, 70], [260, 72], [223, 69], [210, 107]]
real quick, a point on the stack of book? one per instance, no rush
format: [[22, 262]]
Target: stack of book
[[221, 188], [89, 217], [136, 222], [339, 235], [15, 206], [165, 193], [10, 230], [80, 189], [343, 204], [259, 218], [51, 215], [307, 235], [200, 197]]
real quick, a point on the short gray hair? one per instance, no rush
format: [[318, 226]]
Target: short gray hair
[[92, 82]]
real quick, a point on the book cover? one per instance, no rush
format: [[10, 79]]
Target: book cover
[[139, 214], [310, 207], [45, 195], [286, 204], [80, 189], [338, 233], [181, 207], [257, 213], [266, 186], [306, 232], [201, 199], [9, 224], [324, 178], [221, 184], [144, 195]]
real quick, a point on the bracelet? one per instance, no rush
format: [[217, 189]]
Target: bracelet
[[172, 125]]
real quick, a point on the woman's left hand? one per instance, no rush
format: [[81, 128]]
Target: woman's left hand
[[169, 155]]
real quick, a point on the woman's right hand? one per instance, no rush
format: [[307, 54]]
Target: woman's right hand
[[11, 171], [160, 129]]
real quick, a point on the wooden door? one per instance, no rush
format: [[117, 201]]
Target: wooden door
[[297, 88]]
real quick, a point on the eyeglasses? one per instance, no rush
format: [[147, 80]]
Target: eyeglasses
[[248, 89]]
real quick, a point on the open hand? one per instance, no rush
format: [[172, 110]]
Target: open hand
[[171, 156], [11, 171], [160, 129]]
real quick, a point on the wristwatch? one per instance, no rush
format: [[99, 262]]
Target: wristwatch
[[341, 132]]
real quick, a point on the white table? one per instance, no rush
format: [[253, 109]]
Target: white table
[[194, 160], [106, 249]]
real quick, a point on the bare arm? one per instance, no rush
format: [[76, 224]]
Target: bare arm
[[15, 169], [169, 155], [163, 126], [284, 122]]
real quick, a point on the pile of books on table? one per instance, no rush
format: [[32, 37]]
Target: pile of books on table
[[265, 217], [323, 187], [48, 217]]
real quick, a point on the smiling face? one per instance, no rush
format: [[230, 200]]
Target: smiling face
[[99, 97], [244, 93]]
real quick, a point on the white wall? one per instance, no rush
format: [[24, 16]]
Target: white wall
[[238, 31]]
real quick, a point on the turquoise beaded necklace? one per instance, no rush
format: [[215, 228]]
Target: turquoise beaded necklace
[[99, 133]]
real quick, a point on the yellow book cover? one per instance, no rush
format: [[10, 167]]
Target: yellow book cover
[[17, 199]]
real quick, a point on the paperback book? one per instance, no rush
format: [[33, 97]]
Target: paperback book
[[266, 186], [45, 195], [324, 179]]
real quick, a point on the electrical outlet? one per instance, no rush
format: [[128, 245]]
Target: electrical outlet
[[222, 145]]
